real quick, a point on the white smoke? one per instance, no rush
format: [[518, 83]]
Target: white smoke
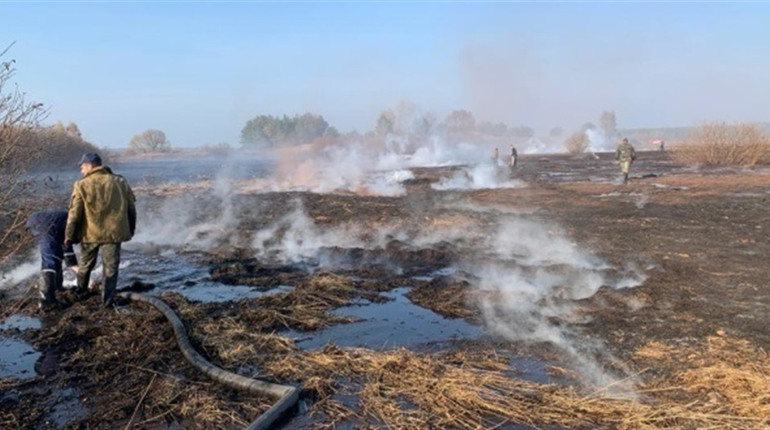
[[480, 176], [528, 276], [201, 216], [12, 278], [542, 145], [530, 271], [598, 141], [296, 238], [528, 282], [377, 166]]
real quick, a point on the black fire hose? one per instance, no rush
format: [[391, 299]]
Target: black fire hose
[[286, 395]]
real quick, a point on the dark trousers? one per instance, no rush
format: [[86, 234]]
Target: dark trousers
[[110, 263], [51, 254]]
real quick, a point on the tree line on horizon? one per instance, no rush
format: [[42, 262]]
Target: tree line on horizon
[[405, 120]]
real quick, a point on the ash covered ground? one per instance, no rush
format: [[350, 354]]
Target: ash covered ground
[[555, 268]]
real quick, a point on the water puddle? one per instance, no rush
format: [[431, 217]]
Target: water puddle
[[20, 322], [445, 271], [213, 292], [17, 359], [67, 408], [172, 272], [397, 323]]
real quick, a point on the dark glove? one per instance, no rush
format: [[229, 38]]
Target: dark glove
[[70, 260]]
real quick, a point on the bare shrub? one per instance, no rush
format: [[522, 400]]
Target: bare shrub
[[577, 143], [18, 121], [60, 148], [720, 144]]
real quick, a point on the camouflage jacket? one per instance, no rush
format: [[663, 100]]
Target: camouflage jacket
[[625, 152], [102, 209]]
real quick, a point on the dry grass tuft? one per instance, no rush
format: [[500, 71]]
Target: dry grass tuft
[[720, 144], [724, 385], [136, 373]]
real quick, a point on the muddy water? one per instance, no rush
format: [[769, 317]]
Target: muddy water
[[396, 323], [17, 357]]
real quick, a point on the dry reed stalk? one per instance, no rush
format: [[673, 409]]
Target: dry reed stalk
[[400, 389], [720, 144]]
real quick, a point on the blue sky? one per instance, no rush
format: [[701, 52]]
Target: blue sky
[[200, 70]]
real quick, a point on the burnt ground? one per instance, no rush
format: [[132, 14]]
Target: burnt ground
[[700, 234]]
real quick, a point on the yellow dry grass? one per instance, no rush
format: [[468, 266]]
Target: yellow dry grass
[[720, 144], [724, 385]]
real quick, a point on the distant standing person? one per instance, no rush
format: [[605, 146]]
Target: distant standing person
[[514, 156], [495, 156], [48, 227], [102, 215], [625, 154]]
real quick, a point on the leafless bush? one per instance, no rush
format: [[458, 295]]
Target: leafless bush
[[18, 122], [577, 143], [720, 144], [59, 148]]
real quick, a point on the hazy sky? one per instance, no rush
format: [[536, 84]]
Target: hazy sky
[[200, 70]]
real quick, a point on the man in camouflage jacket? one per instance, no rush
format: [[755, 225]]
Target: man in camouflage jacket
[[626, 155], [102, 215]]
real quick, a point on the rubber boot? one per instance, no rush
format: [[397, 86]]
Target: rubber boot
[[59, 284], [47, 291], [625, 178], [108, 295], [81, 290]]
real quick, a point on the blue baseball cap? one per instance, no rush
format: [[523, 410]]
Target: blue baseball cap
[[91, 158]]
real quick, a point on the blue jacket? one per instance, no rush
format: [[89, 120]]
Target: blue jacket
[[48, 228]]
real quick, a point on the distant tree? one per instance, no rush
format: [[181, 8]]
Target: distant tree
[[309, 127], [424, 125], [460, 121], [556, 132], [406, 120], [386, 123], [587, 126], [59, 127], [260, 130], [608, 123], [73, 130], [150, 141], [267, 130], [331, 132]]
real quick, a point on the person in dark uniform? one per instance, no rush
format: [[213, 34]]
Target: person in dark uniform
[[48, 229], [514, 156]]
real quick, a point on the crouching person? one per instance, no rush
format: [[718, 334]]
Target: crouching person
[[48, 229]]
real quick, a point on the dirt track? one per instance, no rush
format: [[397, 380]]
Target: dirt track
[[701, 238]]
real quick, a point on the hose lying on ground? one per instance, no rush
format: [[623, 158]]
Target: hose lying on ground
[[287, 395]]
